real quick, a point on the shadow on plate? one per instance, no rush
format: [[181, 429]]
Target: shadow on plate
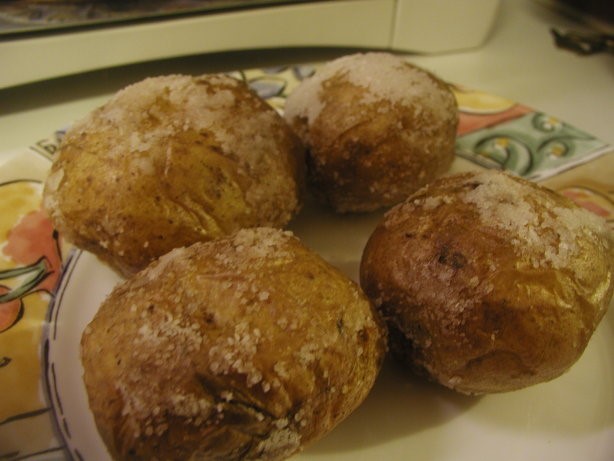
[[399, 405], [338, 238], [578, 403]]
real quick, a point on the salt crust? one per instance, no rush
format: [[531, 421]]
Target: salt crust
[[50, 201], [161, 339], [192, 109], [542, 230], [384, 76]]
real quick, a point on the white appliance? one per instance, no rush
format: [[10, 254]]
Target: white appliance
[[418, 26]]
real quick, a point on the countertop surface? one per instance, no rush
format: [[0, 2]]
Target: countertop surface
[[519, 61]]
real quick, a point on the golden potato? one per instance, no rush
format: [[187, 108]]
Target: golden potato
[[247, 347], [170, 161], [488, 282], [376, 127]]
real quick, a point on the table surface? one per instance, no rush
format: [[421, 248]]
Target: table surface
[[519, 61]]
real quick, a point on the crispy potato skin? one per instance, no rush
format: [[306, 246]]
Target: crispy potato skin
[[248, 347], [477, 307], [170, 161]]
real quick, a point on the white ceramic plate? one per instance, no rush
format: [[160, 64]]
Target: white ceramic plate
[[568, 419]]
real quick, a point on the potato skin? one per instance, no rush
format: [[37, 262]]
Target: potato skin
[[247, 347], [489, 283], [169, 161], [377, 128]]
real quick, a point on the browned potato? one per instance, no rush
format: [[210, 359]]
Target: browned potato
[[170, 161], [488, 282], [247, 347], [377, 128]]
